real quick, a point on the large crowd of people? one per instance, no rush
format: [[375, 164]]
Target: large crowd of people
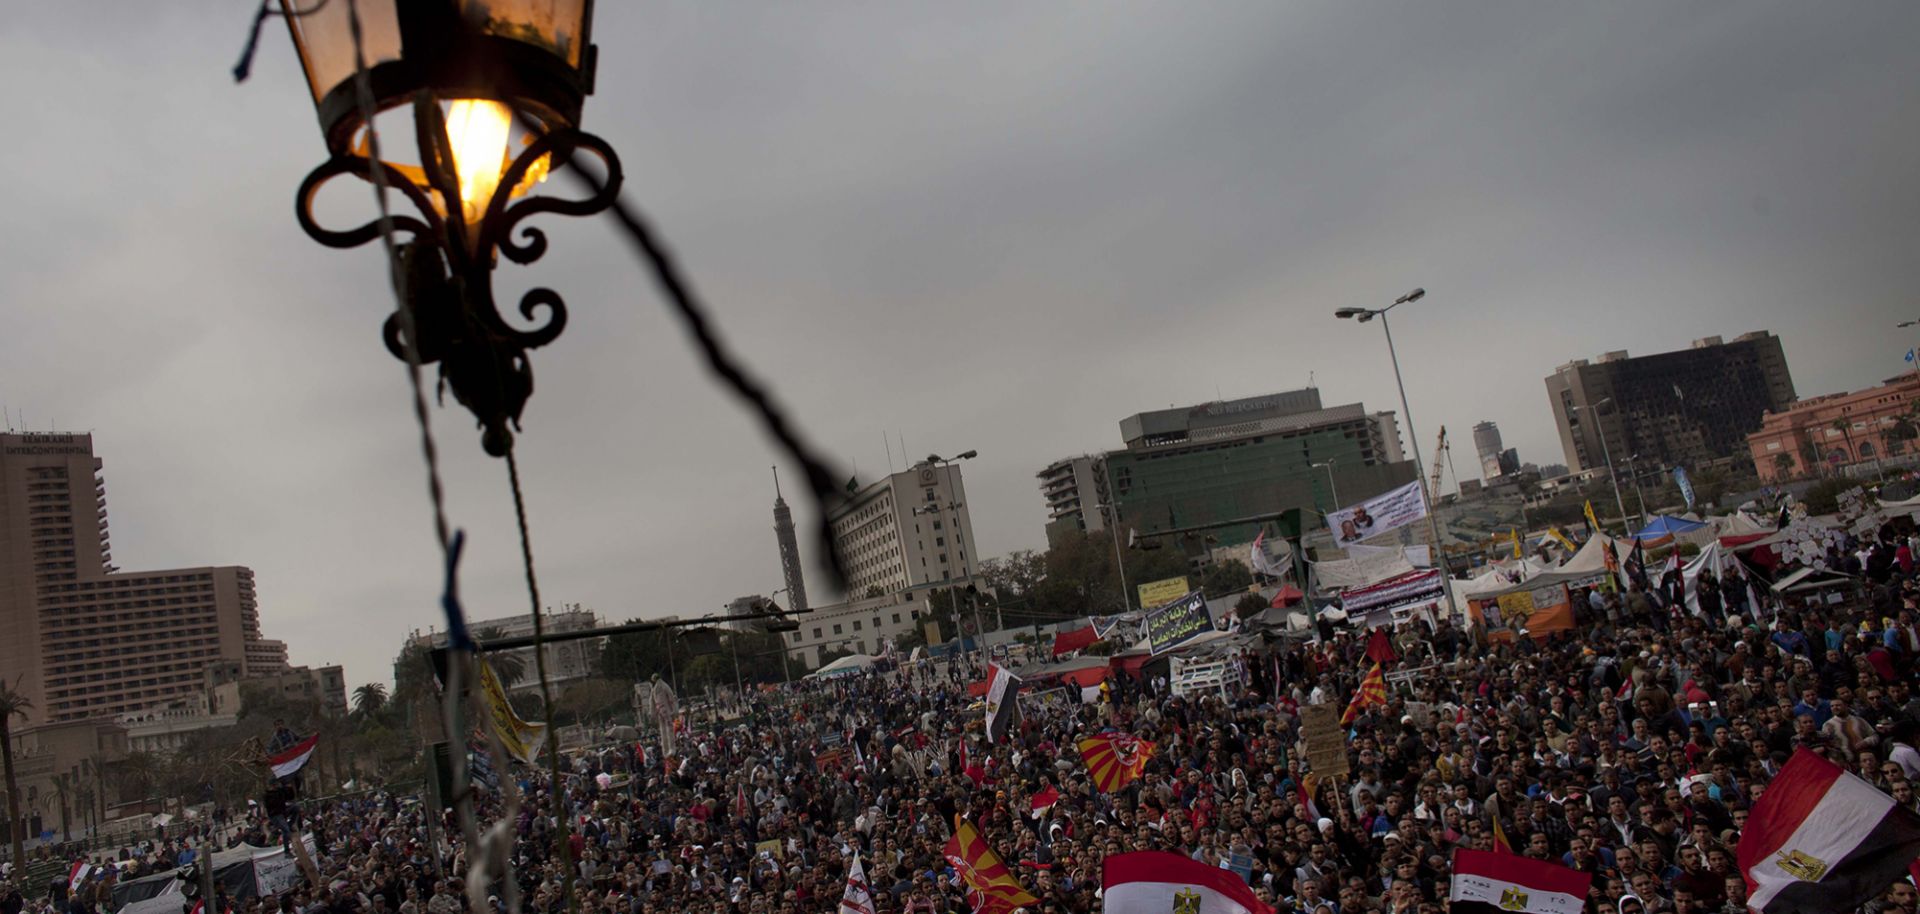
[[1632, 748]]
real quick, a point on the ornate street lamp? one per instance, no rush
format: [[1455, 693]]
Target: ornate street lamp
[[495, 88]]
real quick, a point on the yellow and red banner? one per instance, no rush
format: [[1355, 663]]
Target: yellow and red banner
[[1115, 760], [990, 885], [1372, 693]]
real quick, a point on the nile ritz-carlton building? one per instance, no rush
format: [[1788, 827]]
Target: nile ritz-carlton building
[[82, 639]]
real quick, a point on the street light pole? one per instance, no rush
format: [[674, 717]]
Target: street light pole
[[1113, 531], [1606, 454], [1639, 495], [1333, 488], [1433, 520]]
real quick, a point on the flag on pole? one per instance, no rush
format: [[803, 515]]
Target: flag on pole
[[81, 870], [1156, 882], [1115, 760], [1260, 562], [1560, 537], [1371, 693], [1488, 883], [1500, 843], [1304, 794], [293, 758], [991, 888], [1822, 839], [1003, 710], [858, 898], [1593, 522], [1517, 551], [1044, 800]]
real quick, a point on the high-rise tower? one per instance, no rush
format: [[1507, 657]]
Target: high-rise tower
[[81, 638], [789, 550]]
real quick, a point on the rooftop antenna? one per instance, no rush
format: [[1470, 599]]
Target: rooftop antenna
[[776, 483], [889, 443]]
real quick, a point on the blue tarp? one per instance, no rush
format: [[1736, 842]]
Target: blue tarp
[[1664, 525]]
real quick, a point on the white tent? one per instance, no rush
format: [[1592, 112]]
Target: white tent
[[1592, 557], [845, 666]]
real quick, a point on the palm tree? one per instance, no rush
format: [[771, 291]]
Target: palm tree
[[12, 703], [369, 699], [63, 788], [510, 666], [138, 771], [1783, 465], [1846, 430]]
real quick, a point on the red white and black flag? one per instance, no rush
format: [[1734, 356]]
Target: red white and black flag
[[1489, 883], [291, 759], [1003, 706], [1821, 839]]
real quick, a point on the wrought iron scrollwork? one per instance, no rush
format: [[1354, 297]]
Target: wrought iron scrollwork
[[449, 277]]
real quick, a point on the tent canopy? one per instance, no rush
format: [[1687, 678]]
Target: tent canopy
[[845, 666], [1667, 525]]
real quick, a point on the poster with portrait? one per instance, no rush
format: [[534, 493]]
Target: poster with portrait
[[1383, 513]]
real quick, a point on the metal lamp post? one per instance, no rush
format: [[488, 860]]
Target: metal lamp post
[[1606, 454], [495, 90], [1113, 532], [1333, 488], [1433, 521], [960, 541]]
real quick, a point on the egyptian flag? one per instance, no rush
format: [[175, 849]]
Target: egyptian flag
[[1156, 882], [991, 888], [1003, 710], [293, 758], [1821, 839], [1115, 759], [1371, 693], [81, 870], [1045, 800], [1488, 883]]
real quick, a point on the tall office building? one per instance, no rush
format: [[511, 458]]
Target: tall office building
[[1495, 461], [905, 531], [789, 551], [1693, 407], [1212, 465], [82, 637], [1076, 492]]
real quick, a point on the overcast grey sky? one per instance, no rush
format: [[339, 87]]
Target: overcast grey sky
[[999, 226]]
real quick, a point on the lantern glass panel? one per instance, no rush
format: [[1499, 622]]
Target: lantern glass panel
[[556, 25], [325, 39]]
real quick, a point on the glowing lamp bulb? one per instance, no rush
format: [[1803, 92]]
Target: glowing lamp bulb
[[478, 130]]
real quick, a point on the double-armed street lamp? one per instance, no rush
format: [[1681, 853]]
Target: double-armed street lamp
[[495, 90], [1364, 315]]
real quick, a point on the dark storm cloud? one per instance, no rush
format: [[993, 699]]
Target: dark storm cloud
[[990, 226]]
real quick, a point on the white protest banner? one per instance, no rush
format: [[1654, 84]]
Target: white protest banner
[[1382, 513]]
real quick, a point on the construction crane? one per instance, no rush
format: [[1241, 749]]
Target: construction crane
[[1439, 460]]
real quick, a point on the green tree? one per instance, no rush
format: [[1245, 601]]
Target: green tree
[[1226, 577], [1783, 465], [1845, 429], [369, 700], [136, 774], [12, 704], [1249, 606]]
